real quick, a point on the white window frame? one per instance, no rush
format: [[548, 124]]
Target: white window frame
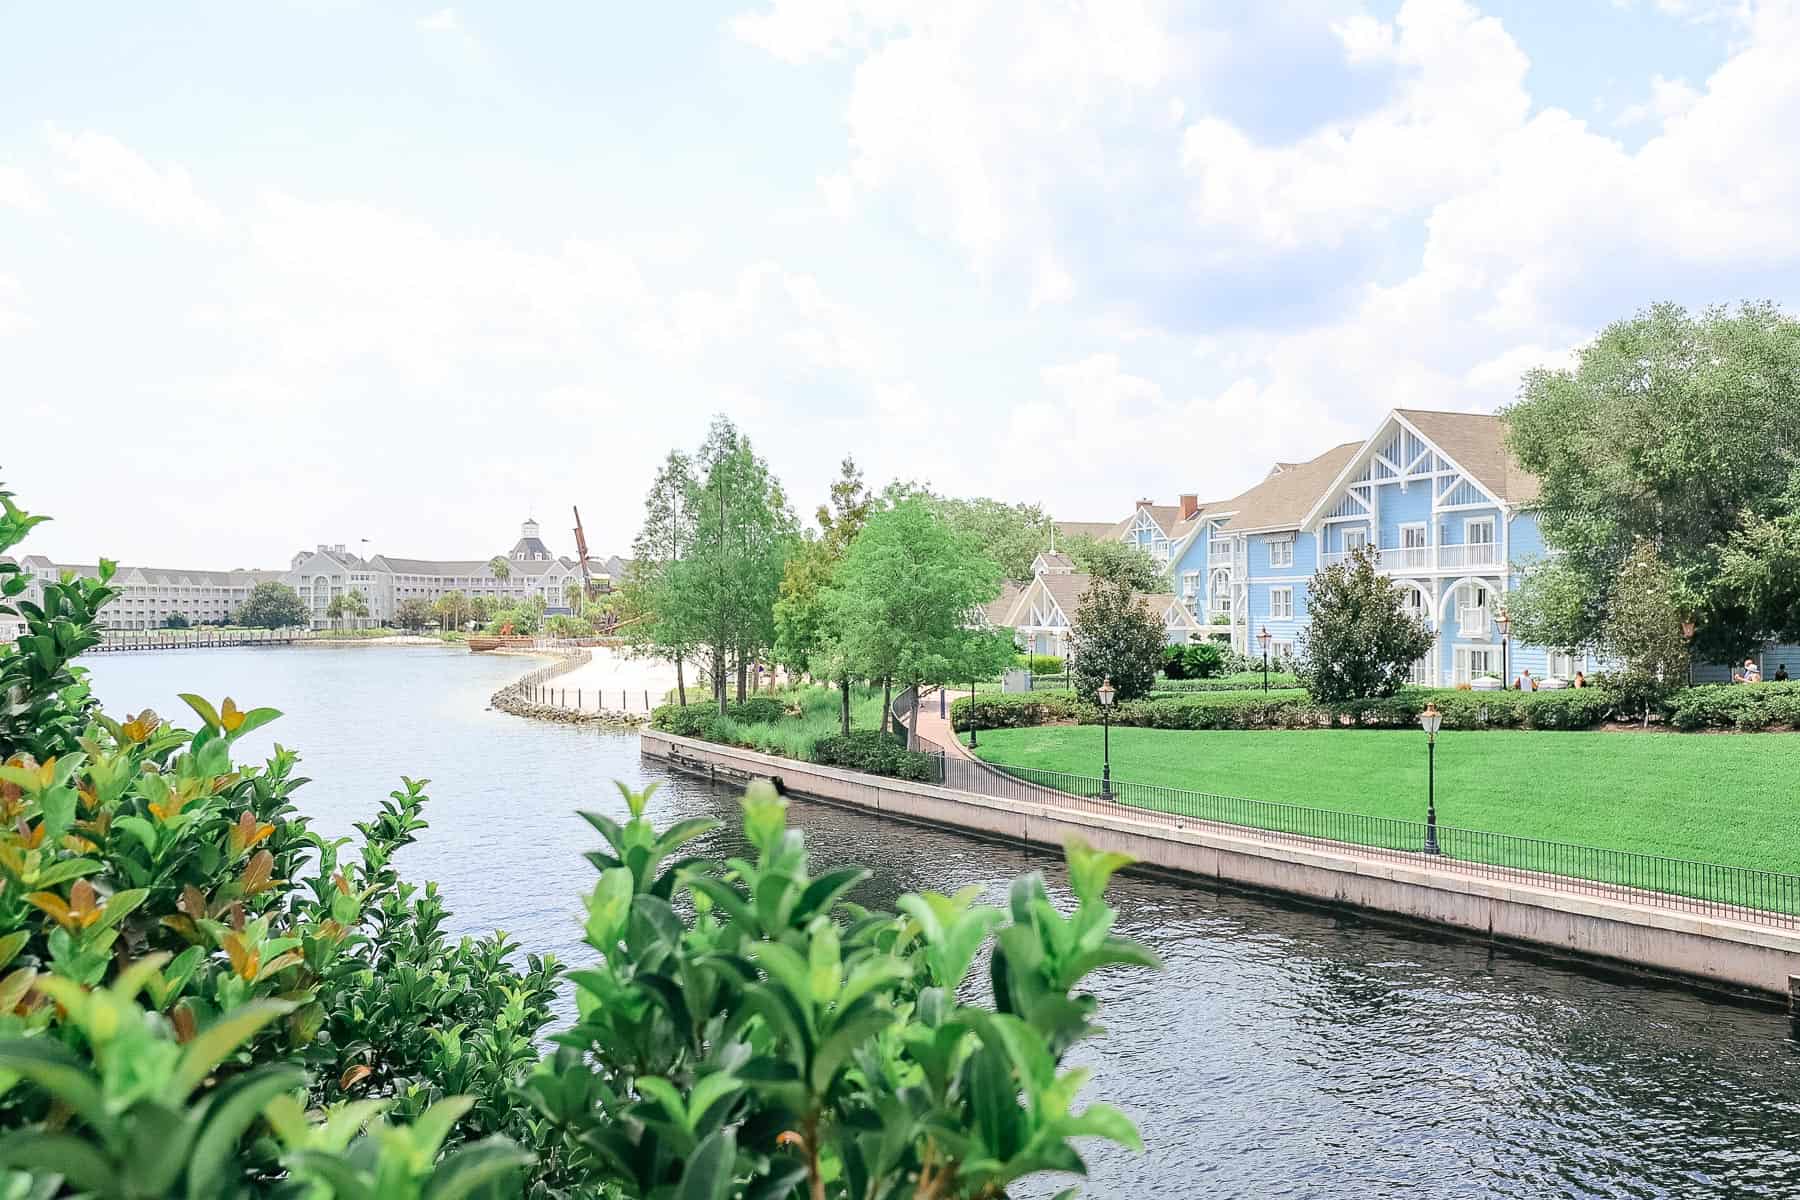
[[1568, 663], [1463, 662], [1472, 523], [1284, 610], [1281, 554], [1282, 651], [1360, 533], [1190, 584]]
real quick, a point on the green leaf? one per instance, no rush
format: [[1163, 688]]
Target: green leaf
[[62, 872], [60, 1154], [202, 706], [344, 1180], [824, 892], [58, 1071], [609, 908], [1089, 869], [708, 1174], [1103, 1120], [157, 1141], [434, 1126], [213, 1168], [474, 1167], [12, 943], [218, 1041], [842, 1042]]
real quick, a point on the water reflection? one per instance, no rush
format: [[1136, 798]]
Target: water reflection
[[1286, 1051]]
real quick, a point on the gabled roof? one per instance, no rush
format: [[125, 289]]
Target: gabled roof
[[1098, 530], [1282, 500], [1002, 611], [1476, 442]]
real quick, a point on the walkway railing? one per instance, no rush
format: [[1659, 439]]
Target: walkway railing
[[1713, 889]]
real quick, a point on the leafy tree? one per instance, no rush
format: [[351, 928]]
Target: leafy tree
[[415, 613], [720, 597], [176, 620], [903, 601], [1675, 429], [481, 608], [1645, 613], [805, 639], [453, 610], [272, 605], [1011, 535], [1119, 562], [848, 511], [350, 605], [520, 620], [1359, 641], [652, 623], [1114, 636], [500, 568], [1759, 575]]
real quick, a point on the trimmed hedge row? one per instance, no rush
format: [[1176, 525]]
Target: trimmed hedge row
[[1227, 683], [877, 753], [1747, 706], [1575, 708]]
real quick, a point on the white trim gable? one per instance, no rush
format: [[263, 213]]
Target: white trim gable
[[1398, 453]]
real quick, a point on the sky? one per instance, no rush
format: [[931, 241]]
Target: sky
[[279, 274]]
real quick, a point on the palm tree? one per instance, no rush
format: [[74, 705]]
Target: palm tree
[[572, 594], [500, 569]]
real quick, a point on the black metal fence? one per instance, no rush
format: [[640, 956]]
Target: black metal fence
[[1712, 889]]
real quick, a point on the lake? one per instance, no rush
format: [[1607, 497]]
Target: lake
[[1285, 1052]]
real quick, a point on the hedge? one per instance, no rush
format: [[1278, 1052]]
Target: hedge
[[877, 753], [1747, 706], [696, 720], [1227, 683], [1292, 708], [1039, 664]]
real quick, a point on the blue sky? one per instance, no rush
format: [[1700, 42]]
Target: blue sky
[[279, 274]]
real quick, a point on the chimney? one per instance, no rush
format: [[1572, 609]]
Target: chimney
[[1190, 506]]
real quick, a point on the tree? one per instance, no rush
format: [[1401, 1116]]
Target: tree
[[1673, 429], [805, 640], [1120, 562], [1011, 535], [481, 608], [1645, 608], [572, 595], [272, 605], [176, 620], [720, 597], [904, 600], [1759, 576], [651, 624], [1359, 641], [848, 511], [351, 604], [453, 610], [500, 569], [415, 613], [1114, 636]]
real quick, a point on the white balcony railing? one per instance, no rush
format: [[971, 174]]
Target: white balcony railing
[[1218, 548], [1420, 558], [1475, 554]]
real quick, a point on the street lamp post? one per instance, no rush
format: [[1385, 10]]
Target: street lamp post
[[972, 716], [1429, 721], [1687, 638], [1503, 622], [1263, 638], [1107, 692]]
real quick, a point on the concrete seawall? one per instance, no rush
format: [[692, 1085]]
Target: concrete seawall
[[1731, 955]]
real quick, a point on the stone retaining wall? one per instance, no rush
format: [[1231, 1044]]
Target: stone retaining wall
[[1731, 955], [515, 698]]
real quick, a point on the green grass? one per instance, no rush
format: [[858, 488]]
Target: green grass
[[1721, 798]]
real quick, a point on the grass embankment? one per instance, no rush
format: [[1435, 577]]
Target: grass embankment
[[1716, 798], [795, 736]]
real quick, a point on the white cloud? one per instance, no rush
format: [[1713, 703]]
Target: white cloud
[[444, 20], [1462, 86], [118, 176], [20, 191], [1669, 99], [13, 320]]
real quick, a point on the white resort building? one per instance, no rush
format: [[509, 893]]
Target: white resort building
[[150, 596]]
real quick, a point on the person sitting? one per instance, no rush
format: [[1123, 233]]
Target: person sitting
[[1750, 674], [1525, 683], [1781, 673], [1580, 679]]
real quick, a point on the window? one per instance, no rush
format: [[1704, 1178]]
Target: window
[[1281, 554], [1190, 584], [1281, 604], [1472, 662], [1355, 539], [1281, 652], [1562, 666]]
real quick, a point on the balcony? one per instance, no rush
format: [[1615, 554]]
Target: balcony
[[1218, 548], [1421, 558]]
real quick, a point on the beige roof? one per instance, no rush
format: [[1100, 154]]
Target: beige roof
[[1091, 529], [1477, 442], [1001, 610], [1281, 500]]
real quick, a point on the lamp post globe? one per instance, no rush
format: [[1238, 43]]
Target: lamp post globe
[[1105, 695], [1263, 639], [1430, 721]]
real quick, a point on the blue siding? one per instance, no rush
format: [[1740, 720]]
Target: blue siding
[[1396, 508]]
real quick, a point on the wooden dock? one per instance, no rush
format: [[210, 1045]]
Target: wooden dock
[[197, 639]]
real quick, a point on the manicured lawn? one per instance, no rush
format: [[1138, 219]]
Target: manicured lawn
[[1725, 798]]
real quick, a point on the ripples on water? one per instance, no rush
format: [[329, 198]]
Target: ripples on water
[[1286, 1052]]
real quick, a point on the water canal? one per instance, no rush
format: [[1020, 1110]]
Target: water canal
[[1286, 1052]]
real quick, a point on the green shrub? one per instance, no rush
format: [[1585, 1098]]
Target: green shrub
[[1290, 708], [877, 753], [1196, 660], [1241, 682], [1744, 706], [1039, 664]]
